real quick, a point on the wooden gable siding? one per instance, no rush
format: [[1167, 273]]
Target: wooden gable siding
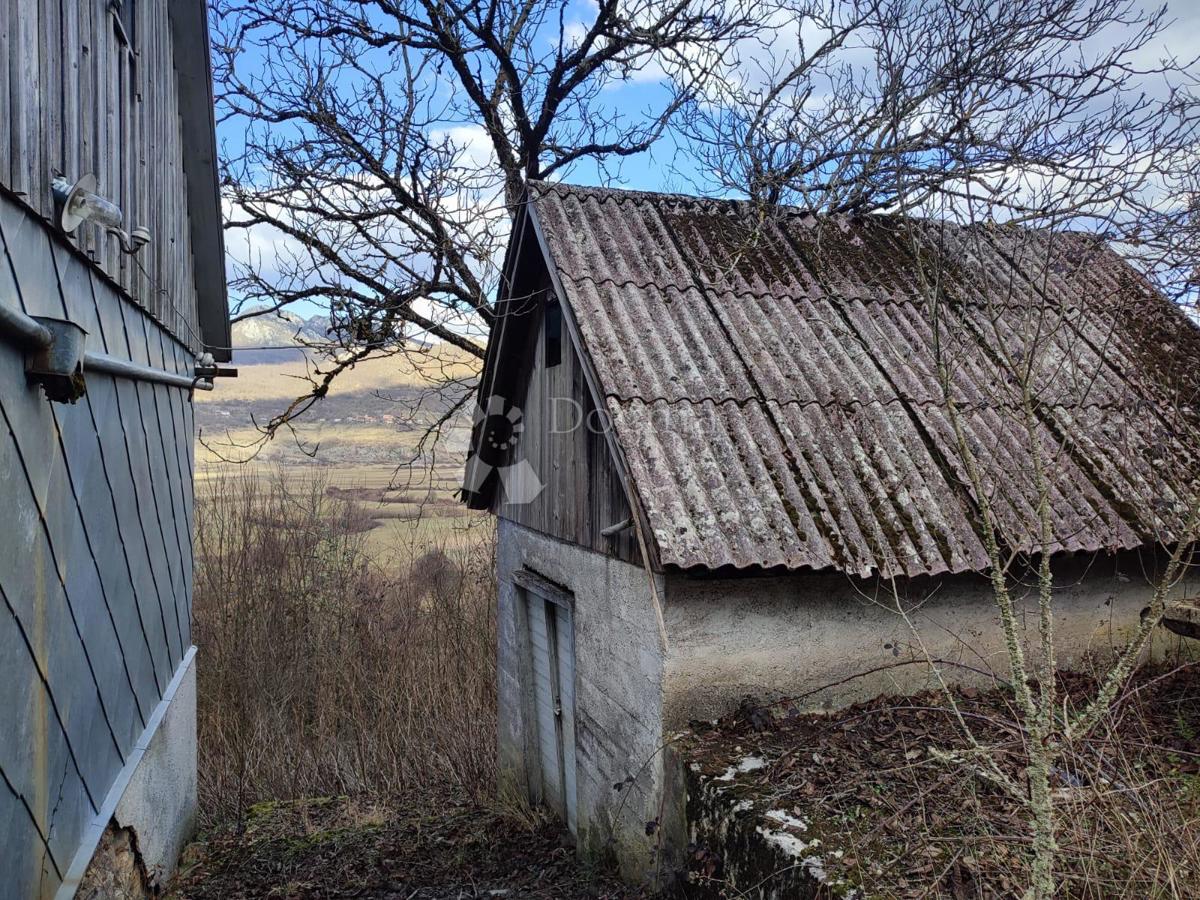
[[96, 561], [563, 443], [76, 100]]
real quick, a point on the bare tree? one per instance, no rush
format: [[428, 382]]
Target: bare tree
[[1048, 376], [385, 144], [1048, 118], [889, 105]]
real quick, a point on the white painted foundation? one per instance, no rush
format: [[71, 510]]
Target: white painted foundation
[[155, 794], [160, 802]]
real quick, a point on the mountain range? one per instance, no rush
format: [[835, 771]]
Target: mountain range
[[276, 330]]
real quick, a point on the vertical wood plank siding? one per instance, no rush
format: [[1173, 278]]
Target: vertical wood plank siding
[[96, 497], [583, 493], [76, 99]]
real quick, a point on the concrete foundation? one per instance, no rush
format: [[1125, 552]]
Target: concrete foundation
[[827, 640], [151, 812], [160, 803]]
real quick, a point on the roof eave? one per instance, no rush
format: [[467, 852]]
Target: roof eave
[[482, 499], [189, 36]]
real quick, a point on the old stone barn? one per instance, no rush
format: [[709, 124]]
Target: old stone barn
[[719, 447]]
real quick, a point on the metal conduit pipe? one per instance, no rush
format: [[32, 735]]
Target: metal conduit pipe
[[29, 333], [23, 329], [123, 368]]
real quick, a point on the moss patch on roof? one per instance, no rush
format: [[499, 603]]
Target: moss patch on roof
[[791, 365]]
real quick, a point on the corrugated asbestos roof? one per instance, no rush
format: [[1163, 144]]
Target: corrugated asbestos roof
[[774, 381]]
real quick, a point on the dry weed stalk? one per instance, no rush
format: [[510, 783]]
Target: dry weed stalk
[[323, 673]]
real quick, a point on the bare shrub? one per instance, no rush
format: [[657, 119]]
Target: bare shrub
[[323, 673]]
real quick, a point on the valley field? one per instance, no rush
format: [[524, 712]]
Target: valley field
[[367, 441]]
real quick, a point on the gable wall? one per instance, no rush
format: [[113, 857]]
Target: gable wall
[[621, 769], [565, 446]]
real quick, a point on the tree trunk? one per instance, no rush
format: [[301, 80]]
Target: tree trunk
[[1041, 885]]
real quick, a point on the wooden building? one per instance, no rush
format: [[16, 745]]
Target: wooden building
[[112, 292], [719, 449]]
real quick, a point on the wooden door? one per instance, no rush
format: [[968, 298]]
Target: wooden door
[[552, 645]]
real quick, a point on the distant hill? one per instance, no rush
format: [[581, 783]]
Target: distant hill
[[284, 378], [276, 330], [370, 412]]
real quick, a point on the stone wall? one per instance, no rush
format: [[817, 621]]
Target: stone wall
[[117, 871], [618, 694]]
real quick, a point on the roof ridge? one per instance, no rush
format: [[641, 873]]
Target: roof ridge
[[620, 195], [892, 300], [851, 464], [743, 402]]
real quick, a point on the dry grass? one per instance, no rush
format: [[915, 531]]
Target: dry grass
[[338, 847], [324, 672]]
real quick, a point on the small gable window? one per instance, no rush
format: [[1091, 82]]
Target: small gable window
[[552, 330]]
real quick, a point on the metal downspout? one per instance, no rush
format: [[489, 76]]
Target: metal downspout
[[24, 330], [123, 368]]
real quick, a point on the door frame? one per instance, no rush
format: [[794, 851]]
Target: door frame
[[530, 584]]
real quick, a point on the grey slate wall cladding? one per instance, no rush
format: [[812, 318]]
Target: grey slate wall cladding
[[95, 556]]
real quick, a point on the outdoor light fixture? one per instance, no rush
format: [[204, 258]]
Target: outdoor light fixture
[[78, 203]]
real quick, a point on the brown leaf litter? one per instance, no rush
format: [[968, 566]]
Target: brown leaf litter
[[870, 797]]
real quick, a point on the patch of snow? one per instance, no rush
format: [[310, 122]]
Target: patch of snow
[[784, 818], [788, 843], [795, 847], [748, 764], [815, 867], [742, 805]]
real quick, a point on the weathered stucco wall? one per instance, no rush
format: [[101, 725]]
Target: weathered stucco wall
[[159, 804], [768, 637], [783, 636], [131, 847], [151, 810], [618, 693]]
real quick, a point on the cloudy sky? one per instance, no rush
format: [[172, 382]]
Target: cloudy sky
[[664, 167]]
